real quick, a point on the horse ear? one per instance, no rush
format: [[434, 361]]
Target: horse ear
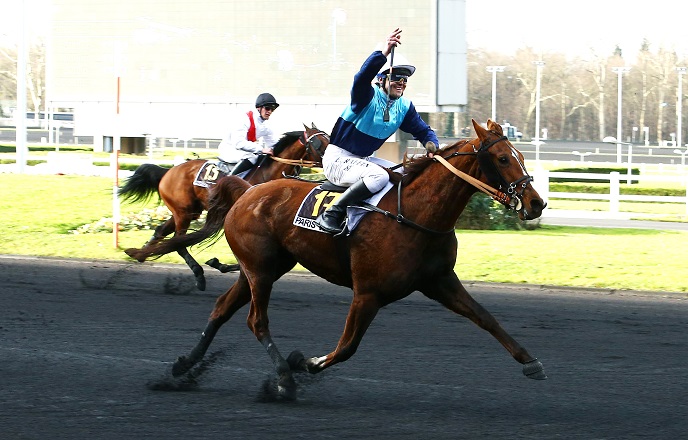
[[313, 126], [305, 126], [479, 130], [492, 125]]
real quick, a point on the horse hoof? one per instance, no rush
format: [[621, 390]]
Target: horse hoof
[[224, 268], [200, 283], [182, 366], [133, 252], [534, 370], [297, 362], [214, 263], [286, 387]]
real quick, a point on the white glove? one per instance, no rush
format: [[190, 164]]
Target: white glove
[[431, 147]]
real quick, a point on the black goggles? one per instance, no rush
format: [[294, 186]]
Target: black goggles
[[398, 78], [270, 107]]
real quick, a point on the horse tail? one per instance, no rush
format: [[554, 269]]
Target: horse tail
[[220, 200], [143, 183]]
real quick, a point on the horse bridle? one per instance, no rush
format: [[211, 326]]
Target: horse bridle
[[506, 193], [309, 143], [313, 145]]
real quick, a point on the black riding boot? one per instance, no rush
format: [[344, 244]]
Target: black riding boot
[[242, 166], [332, 220]]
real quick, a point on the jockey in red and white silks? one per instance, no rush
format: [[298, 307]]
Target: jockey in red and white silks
[[250, 135]]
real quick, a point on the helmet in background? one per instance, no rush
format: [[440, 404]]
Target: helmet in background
[[266, 99]]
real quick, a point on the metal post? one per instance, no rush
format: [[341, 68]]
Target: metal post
[[619, 71], [494, 70], [539, 65], [679, 107], [22, 150]]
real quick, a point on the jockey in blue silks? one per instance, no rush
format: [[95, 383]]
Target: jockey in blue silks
[[362, 129]]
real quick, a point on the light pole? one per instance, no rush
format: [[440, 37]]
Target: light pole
[[619, 71], [536, 141], [22, 150], [493, 70], [338, 17], [679, 130]]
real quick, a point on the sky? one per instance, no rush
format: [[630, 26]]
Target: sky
[[572, 27], [577, 28]]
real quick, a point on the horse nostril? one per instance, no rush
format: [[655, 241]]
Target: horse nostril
[[537, 206]]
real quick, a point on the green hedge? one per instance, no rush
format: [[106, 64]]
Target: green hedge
[[486, 214]]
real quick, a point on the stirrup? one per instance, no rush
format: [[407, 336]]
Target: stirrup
[[338, 230]]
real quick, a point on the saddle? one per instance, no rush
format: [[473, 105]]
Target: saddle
[[325, 194]]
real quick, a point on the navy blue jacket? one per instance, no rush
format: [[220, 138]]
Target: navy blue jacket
[[361, 129]]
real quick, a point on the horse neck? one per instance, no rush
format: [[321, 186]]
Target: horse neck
[[437, 197], [271, 169]]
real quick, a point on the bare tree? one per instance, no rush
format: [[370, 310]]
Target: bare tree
[[35, 74]]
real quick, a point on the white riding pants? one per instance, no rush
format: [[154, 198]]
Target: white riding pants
[[344, 168]]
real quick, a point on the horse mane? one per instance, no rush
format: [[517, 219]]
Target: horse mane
[[287, 139], [414, 166]]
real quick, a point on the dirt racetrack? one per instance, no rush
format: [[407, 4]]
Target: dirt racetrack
[[85, 344]]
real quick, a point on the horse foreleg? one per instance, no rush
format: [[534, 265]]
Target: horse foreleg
[[194, 266], [361, 313], [257, 321], [222, 267], [225, 307], [449, 292]]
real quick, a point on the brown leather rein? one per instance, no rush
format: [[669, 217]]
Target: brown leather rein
[[301, 162], [487, 189], [506, 200]]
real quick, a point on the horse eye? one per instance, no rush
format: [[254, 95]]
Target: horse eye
[[503, 160]]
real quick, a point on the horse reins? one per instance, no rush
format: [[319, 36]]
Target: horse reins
[[503, 198], [307, 142], [511, 198], [487, 189]]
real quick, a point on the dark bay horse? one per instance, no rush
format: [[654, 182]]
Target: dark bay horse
[[187, 201], [383, 260]]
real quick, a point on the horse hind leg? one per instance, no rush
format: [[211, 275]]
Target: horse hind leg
[[449, 292], [162, 231], [225, 307], [362, 312]]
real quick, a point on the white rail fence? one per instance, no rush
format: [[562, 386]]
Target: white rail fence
[[542, 185]]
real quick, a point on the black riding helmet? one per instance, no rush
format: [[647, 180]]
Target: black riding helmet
[[266, 99]]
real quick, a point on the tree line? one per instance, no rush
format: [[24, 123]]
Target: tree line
[[578, 96]]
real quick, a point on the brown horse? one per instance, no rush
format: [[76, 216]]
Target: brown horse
[[383, 260], [187, 201]]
